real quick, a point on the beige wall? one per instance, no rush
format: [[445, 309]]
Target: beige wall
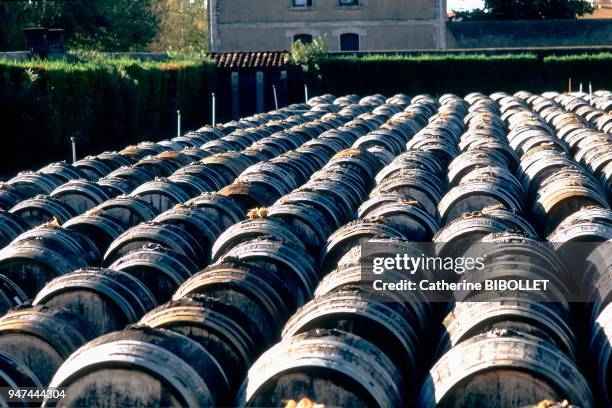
[[243, 25]]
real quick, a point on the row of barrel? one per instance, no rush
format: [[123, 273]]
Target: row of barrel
[[238, 200], [452, 171]]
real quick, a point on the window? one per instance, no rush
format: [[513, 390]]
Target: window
[[301, 3], [303, 38], [348, 3], [349, 42]]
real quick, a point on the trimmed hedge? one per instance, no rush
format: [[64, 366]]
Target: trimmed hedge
[[104, 104], [461, 73]]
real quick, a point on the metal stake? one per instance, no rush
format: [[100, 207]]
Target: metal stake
[[570, 85], [275, 97], [178, 123], [214, 110], [306, 92], [580, 87], [73, 141], [590, 93]]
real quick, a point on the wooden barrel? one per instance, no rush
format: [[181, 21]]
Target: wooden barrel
[[249, 195], [256, 291], [11, 226], [502, 367], [421, 186], [32, 263], [157, 167], [93, 167], [29, 184], [116, 186], [192, 184], [100, 228], [64, 171], [129, 211], [166, 235], [9, 197], [54, 236], [275, 175], [519, 311], [351, 234], [206, 173], [196, 222], [319, 201], [294, 265], [42, 209], [16, 375], [225, 211], [143, 367], [387, 325], [327, 367], [162, 270], [254, 228], [81, 195], [600, 353], [10, 295], [131, 173], [43, 337], [233, 338], [409, 218], [309, 223], [161, 193]]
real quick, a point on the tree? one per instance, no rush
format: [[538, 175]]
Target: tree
[[183, 26], [105, 25], [527, 10]]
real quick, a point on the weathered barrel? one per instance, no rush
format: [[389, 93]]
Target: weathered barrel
[[318, 200], [102, 229], [9, 197], [249, 195], [192, 184], [350, 235], [10, 295], [143, 367], [497, 367], [107, 299], [29, 184], [93, 167], [16, 375], [283, 258], [327, 367], [232, 337], [225, 211], [81, 195], [257, 291], [53, 235], [206, 173], [388, 325], [129, 211], [33, 262], [162, 194], [42, 209], [63, 171], [43, 337], [160, 269], [131, 173], [254, 227], [409, 218], [196, 222], [116, 186], [11, 226], [230, 165], [309, 223], [519, 311], [157, 167], [600, 352]]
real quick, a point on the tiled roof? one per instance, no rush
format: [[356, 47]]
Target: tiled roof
[[251, 59], [604, 11]]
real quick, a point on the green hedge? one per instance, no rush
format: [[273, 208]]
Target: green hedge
[[461, 73], [104, 104]]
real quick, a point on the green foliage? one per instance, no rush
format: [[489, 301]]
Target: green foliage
[[183, 28], [109, 25], [309, 56], [460, 73], [527, 10], [106, 104]]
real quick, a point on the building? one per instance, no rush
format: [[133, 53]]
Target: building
[[603, 9], [349, 25]]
